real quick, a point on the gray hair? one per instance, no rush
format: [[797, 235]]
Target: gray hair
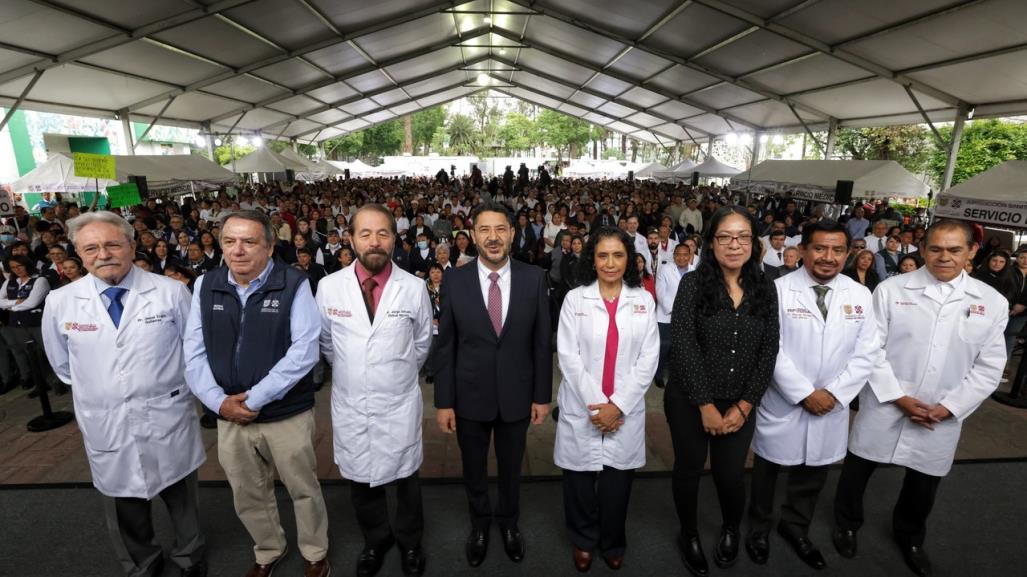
[[76, 224], [252, 216], [441, 247]]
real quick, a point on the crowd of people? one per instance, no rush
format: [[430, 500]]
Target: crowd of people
[[764, 320]]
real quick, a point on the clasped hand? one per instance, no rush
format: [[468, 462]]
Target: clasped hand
[[717, 424], [608, 417], [820, 402], [921, 413], [234, 409]]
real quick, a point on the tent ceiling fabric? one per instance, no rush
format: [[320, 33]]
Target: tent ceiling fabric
[[660, 70]]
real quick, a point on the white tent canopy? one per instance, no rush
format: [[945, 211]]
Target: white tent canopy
[[817, 179], [650, 170], [714, 168], [356, 167], [996, 196], [314, 170], [681, 171], [264, 159], [164, 174]]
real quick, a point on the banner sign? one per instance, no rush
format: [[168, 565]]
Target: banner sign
[[998, 212], [94, 165], [6, 203], [123, 195]]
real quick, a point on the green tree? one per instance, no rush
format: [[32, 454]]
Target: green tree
[[463, 134], [383, 139], [426, 122], [345, 147], [517, 133], [908, 145], [985, 144], [562, 132], [223, 153]]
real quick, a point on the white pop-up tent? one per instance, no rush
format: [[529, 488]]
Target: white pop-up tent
[[817, 179], [170, 174], [265, 160], [680, 172], [714, 168], [357, 168], [996, 196], [650, 170], [314, 170]]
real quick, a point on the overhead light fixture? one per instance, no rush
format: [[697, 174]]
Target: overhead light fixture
[[483, 79], [731, 138], [199, 140], [779, 139], [488, 19], [970, 114], [217, 142], [257, 141], [242, 140], [502, 50], [764, 138]]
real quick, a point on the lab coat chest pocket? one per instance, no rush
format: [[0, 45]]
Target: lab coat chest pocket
[[152, 331], [974, 328]]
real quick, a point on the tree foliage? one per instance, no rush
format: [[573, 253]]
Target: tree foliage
[[426, 122], [909, 145], [985, 144], [518, 133], [562, 132], [464, 136]]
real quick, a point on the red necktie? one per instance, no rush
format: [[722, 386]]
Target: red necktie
[[367, 287], [495, 304]]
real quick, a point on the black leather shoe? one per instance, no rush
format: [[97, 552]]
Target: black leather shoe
[[692, 555], [413, 562], [197, 570], [844, 542], [725, 554], [513, 544], [371, 558], [917, 561], [757, 545], [477, 546], [804, 548]]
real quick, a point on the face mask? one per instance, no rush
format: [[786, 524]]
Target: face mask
[[6, 238], [422, 244]]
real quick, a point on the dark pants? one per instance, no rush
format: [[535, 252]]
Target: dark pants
[[596, 506], [909, 518], [664, 350], [727, 463], [130, 525], [373, 514], [801, 493], [474, 438]]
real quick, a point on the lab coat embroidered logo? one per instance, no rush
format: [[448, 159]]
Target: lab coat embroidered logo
[[848, 309], [270, 306]]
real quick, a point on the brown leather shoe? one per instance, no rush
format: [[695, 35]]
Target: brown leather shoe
[[614, 562], [259, 570], [320, 568], [582, 560]]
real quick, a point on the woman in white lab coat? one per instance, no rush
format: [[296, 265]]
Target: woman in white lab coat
[[608, 350]]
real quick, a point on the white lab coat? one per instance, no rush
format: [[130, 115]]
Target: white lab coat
[[951, 353], [136, 414], [667, 280], [376, 398], [666, 255], [836, 355], [581, 349]]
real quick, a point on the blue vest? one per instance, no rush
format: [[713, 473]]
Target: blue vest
[[244, 343], [32, 318]]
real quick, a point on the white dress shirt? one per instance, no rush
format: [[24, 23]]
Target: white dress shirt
[[504, 285]]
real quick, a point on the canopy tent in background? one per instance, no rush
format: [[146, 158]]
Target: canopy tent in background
[[265, 160], [650, 170], [996, 196], [314, 170], [426, 165], [172, 174], [356, 168], [713, 168], [817, 179], [681, 171], [584, 168]]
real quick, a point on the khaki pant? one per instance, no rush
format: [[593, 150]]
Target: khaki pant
[[250, 454]]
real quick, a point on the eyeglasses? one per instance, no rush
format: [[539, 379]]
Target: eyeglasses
[[725, 239]]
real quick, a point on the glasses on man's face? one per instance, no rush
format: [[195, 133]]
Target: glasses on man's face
[[725, 239]]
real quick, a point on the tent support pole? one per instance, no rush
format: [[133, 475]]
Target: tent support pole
[[284, 128], [820, 145], [156, 119], [927, 119], [957, 137], [313, 140], [754, 158], [236, 123], [692, 138], [210, 141], [709, 146], [21, 98], [832, 137], [126, 127]]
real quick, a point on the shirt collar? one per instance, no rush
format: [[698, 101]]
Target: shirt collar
[[363, 274], [126, 283], [811, 282], [484, 271], [257, 282]]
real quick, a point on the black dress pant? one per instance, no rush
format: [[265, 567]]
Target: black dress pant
[[474, 438], [372, 513], [596, 506], [909, 518], [727, 462], [801, 492]]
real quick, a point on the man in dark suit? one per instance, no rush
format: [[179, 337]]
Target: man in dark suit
[[494, 371], [791, 264]]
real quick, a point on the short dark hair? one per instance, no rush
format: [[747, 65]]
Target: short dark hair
[[826, 226], [493, 206], [252, 216], [777, 233], [372, 207], [586, 273], [950, 224]]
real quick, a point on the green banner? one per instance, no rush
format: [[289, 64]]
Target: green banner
[[123, 195]]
